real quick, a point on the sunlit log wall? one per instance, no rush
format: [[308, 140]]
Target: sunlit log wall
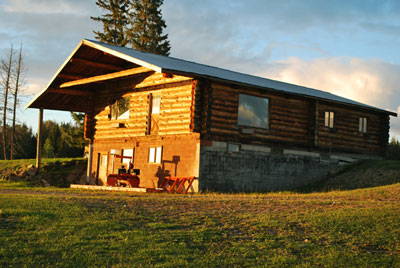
[[175, 134], [294, 121]]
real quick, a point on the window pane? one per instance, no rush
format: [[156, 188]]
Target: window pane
[[327, 119], [253, 111], [152, 155], [365, 125], [233, 147], [123, 108], [156, 104], [127, 152], [331, 116], [158, 154], [114, 111], [360, 125]]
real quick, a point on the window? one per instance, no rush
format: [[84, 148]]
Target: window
[[233, 147], [362, 125], [120, 109], [155, 105], [128, 153], [253, 111], [329, 119], [155, 154]]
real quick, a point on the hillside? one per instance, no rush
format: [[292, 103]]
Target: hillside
[[365, 174], [59, 172]]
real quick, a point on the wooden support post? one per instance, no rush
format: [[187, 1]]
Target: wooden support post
[[39, 140], [90, 161]]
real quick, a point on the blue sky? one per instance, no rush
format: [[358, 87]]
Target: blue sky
[[349, 48]]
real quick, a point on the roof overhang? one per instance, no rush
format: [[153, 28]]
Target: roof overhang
[[74, 85], [91, 63]]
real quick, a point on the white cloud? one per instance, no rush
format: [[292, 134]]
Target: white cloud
[[372, 82], [43, 7]]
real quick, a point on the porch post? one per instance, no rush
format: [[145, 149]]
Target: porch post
[[39, 140], [90, 161]]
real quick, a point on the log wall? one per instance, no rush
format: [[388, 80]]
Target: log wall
[[346, 136], [293, 121], [175, 108]]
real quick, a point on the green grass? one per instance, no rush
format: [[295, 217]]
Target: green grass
[[48, 227], [21, 163]]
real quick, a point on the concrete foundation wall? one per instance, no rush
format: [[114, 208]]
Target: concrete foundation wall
[[257, 168]]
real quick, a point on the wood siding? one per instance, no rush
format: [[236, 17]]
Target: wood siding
[[345, 134], [293, 121], [175, 108]]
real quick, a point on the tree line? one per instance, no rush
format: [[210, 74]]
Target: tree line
[[59, 139]]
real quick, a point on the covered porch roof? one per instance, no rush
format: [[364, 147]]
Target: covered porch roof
[[86, 70]]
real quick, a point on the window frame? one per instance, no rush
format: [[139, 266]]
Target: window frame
[[268, 104], [233, 147], [363, 125], [114, 109], [156, 156], [329, 121]]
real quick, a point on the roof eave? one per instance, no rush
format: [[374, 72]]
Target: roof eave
[[279, 90], [54, 76]]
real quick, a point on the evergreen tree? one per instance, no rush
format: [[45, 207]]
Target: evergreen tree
[[114, 21], [133, 22], [48, 149], [145, 32]]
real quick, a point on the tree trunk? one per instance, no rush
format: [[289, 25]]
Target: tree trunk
[[17, 84], [7, 67]]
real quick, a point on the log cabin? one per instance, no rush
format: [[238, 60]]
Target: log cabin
[[232, 131]]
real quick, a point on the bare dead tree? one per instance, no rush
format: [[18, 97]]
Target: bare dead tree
[[6, 70], [18, 77]]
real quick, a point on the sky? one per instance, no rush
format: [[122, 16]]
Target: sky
[[349, 48]]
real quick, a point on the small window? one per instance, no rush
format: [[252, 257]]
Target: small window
[[253, 111], [120, 109], [155, 106], [362, 125], [155, 154], [329, 119], [233, 147], [127, 153]]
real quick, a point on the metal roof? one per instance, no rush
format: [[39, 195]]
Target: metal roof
[[163, 64]]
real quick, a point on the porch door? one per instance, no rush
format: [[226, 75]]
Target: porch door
[[155, 101], [103, 167]]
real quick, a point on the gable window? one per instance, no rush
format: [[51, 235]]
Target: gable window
[[253, 111], [362, 125], [120, 109], [329, 119], [155, 154]]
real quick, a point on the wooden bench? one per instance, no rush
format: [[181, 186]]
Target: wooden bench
[[177, 184]]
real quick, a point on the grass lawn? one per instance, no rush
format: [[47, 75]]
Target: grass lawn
[[52, 227]]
